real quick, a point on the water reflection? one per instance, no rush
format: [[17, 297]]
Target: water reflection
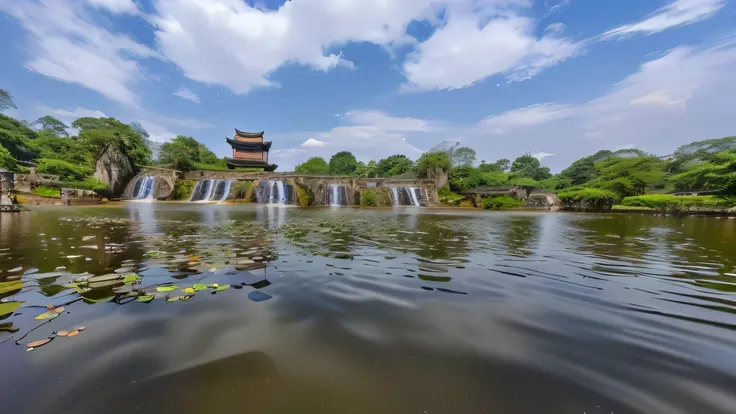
[[364, 311]]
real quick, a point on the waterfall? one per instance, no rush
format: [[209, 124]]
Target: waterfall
[[144, 187], [211, 190], [273, 192], [337, 195], [408, 196], [395, 192]]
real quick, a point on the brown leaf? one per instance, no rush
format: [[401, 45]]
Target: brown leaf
[[36, 344], [62, 333], [73, 333], [60, 309]]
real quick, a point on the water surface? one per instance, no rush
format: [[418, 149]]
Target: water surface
[[341, 310]]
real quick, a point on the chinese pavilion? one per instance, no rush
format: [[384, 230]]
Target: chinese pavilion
[[249, 151]]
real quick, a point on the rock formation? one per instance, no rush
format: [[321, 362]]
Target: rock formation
[[114, 169]]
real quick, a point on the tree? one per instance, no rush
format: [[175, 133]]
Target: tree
[[583, 170], [313, 165], [430, 163], [98, 133], [6, 100], [718, 174], [501, 165], [530, 167], [51, 125], [465, 177], [463, 156], [366, 170], [184, 153], [6, 160], [394, 165], [495, 178], [629, 176], [343, 163]]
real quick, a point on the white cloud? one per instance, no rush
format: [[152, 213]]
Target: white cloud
[[530, 116], [185, 93], [474, 45], [65, 115], [230, 43], [115, 6], [658, 98], [541, 155], [313, 143], [386, 122], [676, 14], [157, 132], [64, 44]]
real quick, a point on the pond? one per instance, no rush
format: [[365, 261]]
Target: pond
[[168, 307]]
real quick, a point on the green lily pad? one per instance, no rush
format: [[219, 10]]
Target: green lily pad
[[168, 288], [222, 287], [11, 286], [131, 278], [47, 315], [174, 299], [104, 278], [199, 286], [145, 298], [91, 300], [8, 307]]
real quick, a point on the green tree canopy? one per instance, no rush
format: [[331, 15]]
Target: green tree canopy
[[718, 174], [98, 133], [184, 153], [51, 125], [313, 165], [629, 176], [501, 165], [463, 156], [7, 161], [527, 166], [366, 170], [432, 161], [583, 170], [343, 163], [465, 177], [394, 165]]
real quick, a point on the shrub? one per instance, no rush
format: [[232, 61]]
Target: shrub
[[501, 203], [183, 189], [585, 199], [673, 203], [368, 197], [6, 160], [65, 170], [495, 178], [89, 183], [240, 189], [305, 196], [449, 197]]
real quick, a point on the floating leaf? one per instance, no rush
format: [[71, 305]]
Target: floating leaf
[[131, 278], [145, 298], [104, 278], [222, 287], [60, 309], [123, 270], [17, 269], [36, 344], [174, 299], [62, 333], [214, 285], [168, 288], [8, 307], [258, 296], [8, 327], [93, 300], [46, 315], [199, 286], [6, 287], [185, 297], [81, 328], [73, 333], [30, 271], [189, 290], [85, 238]]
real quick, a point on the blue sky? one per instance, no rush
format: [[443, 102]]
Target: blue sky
[[558, 78]]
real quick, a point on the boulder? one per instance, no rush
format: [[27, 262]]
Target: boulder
[[114, 169]]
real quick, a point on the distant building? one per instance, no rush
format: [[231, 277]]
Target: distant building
[[249, 151]]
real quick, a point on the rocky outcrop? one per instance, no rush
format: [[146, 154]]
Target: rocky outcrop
[[114, 169]]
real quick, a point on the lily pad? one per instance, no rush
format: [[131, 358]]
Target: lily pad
[[73, 333], [175, 299], [9, 307], [168, 288], [131, 278], [62, 333], [189, 290], [258, 296], [94, 300], [222, 287], [46, 315], [30, 271], [11, 286], [104, 278], [8, 327], [36, 344], [198, 286], [17, 269], [145, 298], [123, 270], [60, 309]]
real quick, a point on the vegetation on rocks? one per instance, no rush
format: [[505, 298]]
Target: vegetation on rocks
[[501, 203], [673, 203], [183, 189], [587, 199]]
